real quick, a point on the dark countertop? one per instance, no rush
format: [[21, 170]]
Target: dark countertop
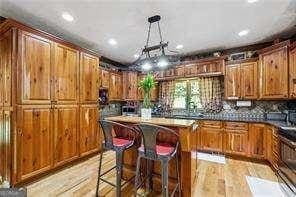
[[279, 124]]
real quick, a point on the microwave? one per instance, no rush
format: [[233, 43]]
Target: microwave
[[129, 110]]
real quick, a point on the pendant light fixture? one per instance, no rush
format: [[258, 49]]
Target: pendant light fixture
[[155, 57]]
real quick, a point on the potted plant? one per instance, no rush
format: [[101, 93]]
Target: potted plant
[[147, 84]]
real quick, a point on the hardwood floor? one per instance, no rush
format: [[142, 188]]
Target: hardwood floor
[[213, 179]]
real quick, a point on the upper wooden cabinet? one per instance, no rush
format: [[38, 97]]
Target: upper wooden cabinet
[[115, 86], [105, 78], [190, 70], [292, 71], [180, 71], [274, 71], [130, 86], [5, 68], [89, 78], [35, 69], [232, 82], [66, 74], [241, 80]]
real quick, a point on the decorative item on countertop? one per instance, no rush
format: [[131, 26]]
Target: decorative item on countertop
[[147, 84]]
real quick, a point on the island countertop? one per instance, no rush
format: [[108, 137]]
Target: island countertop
[[158, 121]]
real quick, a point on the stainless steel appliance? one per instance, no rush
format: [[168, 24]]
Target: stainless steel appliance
[[130, 110], [287, 160]]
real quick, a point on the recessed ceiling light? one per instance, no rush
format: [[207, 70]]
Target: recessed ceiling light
[[252, 1], [67, 16], [179, 46], [136, 56], [112, 41], [243, 32]]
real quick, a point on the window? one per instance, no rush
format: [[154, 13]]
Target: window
[[187, 95]]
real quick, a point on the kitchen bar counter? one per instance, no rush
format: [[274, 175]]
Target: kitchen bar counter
[[187, 166]]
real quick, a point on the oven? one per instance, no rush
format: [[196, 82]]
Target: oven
[[287, 161]]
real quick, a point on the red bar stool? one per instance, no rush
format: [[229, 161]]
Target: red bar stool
[[118, 144], [155, 151]]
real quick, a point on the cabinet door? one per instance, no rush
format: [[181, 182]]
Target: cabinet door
[[119, 86], [130, 89], [66, 76], [5, 68], [257, 140], [105, 77], [112, 87], [180, 71], [232, 82], [34, 140], [249, 80], [5, 154], [292, 73], [140, 91], [35, 69], [154, 93], [236, 142], [211, 139], [65, 134], [89, 78], [89, 129], [274, 74]]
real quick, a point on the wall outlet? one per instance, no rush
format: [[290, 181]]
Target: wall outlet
[[243, 103]]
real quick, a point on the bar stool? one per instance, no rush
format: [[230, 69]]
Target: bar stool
[[119, 145], [155, 151]]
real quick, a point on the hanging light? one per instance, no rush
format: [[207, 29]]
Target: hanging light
[[159, 59]]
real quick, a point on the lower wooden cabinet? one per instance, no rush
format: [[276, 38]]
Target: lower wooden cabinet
[[211, 139], [236, 142], [34, 140], [272, 147], [65, 134], [257, 140], [89, 141]]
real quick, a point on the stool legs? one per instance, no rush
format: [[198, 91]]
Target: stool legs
[[165, 178], [178, 175], [99, 173], [119, 157]]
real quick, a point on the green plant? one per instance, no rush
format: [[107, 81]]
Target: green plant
[[147, 84]]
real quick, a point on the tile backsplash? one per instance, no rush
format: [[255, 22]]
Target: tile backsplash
[[112, 109]]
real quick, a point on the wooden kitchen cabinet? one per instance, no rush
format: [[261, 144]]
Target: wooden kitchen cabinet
[[274, 71], [191, 70], [272, 146], [212, 136], [257, 140], [35, 70], [170, 72], [292, 71], [89, 140], [115, 86], [180, 71], [89, 78], [232, 82], [105, 78], [66, 75], [235, 139], [130, 86], [34, 140], [65, 134], [241, 80]]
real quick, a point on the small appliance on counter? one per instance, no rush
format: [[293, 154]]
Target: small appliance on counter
[[130, 109]]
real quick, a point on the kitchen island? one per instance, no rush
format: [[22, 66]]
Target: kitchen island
[[184, 128]]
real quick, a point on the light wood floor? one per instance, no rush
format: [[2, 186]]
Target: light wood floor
[[213, 179]]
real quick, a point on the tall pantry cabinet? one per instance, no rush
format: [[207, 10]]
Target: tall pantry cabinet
[[53, 104]]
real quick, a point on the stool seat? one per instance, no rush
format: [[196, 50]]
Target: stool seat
[[120, 142], [161, 150]]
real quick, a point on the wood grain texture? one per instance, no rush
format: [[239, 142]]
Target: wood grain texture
[[89, 78], [105, 78], [292, 73], [130, 86], [257, 140], [89, 135], [232, 82], [249, 80], [66, 75], [212, 179], [35, 70]]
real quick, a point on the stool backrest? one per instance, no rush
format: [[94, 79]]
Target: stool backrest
[[150, 133], [108, 127]]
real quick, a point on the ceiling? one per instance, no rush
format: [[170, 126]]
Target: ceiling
[[199, 25]]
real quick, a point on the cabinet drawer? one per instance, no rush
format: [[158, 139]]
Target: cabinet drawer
[[212, 124], [236, 125]]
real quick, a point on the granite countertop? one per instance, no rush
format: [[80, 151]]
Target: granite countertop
[[279, 124]]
